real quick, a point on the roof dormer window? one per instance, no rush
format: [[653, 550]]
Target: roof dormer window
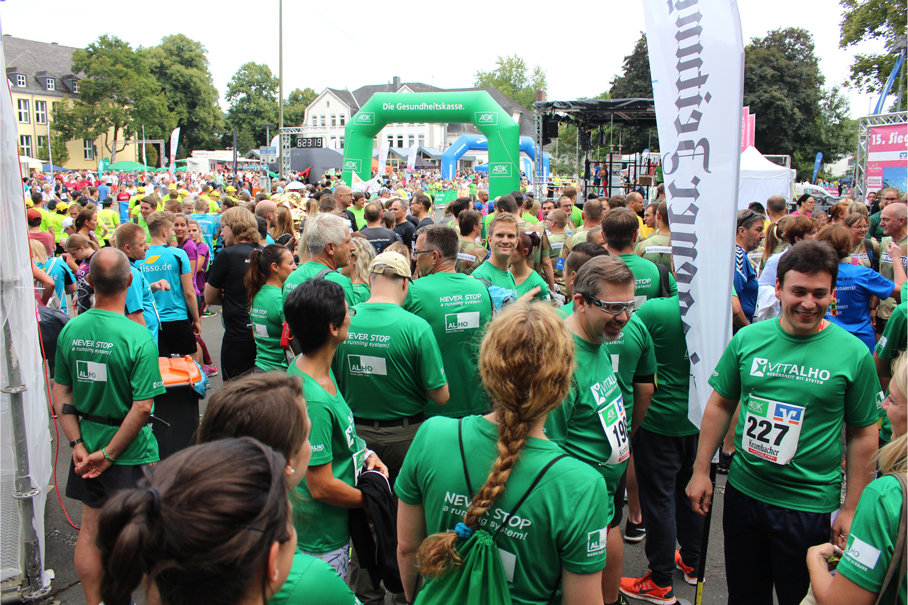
[[51, 84], [20, 80]]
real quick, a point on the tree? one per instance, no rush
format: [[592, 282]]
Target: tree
[[511, 78], [180, 65], [873, 20], [635, 82], [57, 146], [117, 96], [252, 94], [296, 104]]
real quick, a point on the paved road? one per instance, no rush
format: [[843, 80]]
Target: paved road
[[61, 537]]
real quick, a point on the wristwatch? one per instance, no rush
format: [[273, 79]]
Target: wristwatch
[[75, 443]]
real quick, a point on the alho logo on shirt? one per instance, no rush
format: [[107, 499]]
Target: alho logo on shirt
[[762, 367], [90, 370], [455, 322], [595, 540], [363, 364], [862, 555]]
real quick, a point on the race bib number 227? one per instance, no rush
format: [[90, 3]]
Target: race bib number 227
[[772, 429]]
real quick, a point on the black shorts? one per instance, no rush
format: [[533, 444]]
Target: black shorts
[[176, 338], [95, 492], [619, 500]]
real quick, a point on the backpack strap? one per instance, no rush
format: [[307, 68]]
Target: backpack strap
[[324, 272], [533, 485], [463, 456], [895, 575], [874, 261], [663, 280]]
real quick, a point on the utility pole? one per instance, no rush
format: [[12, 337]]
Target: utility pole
[[280, 77]]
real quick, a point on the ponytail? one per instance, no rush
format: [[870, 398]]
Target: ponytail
[[259, 270]]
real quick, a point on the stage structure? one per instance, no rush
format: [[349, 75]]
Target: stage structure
[[471, 107], [882, 155], [589, 116]]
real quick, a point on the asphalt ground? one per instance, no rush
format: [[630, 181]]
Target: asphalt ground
[[61, 537]]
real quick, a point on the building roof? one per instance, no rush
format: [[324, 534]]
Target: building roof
[[39, 59], [362, 94]]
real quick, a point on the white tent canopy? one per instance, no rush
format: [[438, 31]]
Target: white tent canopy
[[761, 179]]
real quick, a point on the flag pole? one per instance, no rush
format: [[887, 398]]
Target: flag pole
[[704, 538]]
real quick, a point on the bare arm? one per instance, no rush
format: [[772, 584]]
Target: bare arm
[[581, 589], [883, 371], [643, 395], [330, 490], [138, 317], [837, 589], [898, 270], [738, 317], [861, 444], [212, 295], [191, 305], [440, 395], [716, 420], [411, 531], [97, 462]]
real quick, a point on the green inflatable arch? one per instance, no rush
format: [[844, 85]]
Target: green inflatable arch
[[478, 108]]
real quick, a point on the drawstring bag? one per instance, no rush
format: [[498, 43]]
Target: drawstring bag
[[480, 579]]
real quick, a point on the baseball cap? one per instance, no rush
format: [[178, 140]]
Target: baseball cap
[[230, 189], [215, 193], [390, 263], [62, 206], [172, 186], [141, 189], [33, 213]]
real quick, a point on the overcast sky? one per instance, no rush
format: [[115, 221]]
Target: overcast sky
[[358, 42]]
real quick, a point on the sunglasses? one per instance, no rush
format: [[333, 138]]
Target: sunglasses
[[612, 308]]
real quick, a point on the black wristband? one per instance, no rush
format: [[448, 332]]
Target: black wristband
[[75, 443]]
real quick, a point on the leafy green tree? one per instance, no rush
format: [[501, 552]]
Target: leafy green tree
[[864, 20], [635, 82], [513, 78], [117, 96], [252, 93], [58, 147], [295, 106], [180, 65]]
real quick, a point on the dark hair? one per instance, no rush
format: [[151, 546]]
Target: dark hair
[[262, 225], [311, 309], [527, 241], [662, 211], [326, 203], [260, 268], [82, 218], [619, 226], [261, 406], [372, 212], [425, 200], [804, 197], [443, 239], [757, 207], [798, 227], [617, 201], [518, 197], [200, 527], [468, 220], [506, 203], [809, 257], [459, 205], [37, 198], [581, 253], [745, 218], [837, 236]]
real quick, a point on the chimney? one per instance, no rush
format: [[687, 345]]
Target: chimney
[[540, 96], [395, 83]]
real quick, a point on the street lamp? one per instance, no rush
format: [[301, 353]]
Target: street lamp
[[267, 128]]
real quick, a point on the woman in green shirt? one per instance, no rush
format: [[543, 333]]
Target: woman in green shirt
[[269, 407], [524, 276], [265, 277], [557, 537], [871, 541]]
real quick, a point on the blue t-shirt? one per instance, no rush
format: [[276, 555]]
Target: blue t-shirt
[[209, 225], [853, 289], [103, 192], [57, 269], [746, 284], [169, 263], [139, 296]]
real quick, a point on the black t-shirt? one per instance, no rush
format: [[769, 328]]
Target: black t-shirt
[[405, 231], [352, 220], [413, 220], [379, 237], [426, 221], [227, 273]]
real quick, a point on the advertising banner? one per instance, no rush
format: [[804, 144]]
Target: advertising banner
[[174, 141], [887, 157], [696, 55], [745, 126], [383, 158], [411, 158]]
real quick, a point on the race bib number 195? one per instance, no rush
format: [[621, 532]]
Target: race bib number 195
[[614, 423], [772, 429]]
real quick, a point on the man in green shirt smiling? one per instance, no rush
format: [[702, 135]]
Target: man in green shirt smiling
[[786, 476], [329, 243]]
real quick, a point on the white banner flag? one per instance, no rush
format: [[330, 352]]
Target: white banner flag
[[383, 158], [696, 56], [174, 141], [411, 158]]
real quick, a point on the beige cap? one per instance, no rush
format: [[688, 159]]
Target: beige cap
[[390, 263]]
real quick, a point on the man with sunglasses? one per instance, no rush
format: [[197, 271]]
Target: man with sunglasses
[[747, 239], [592, 424]]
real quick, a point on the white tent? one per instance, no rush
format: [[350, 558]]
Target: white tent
[[760, 179]]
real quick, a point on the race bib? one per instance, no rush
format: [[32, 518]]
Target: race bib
[[772, 429], [470, 258], [615, 362], [885, 258], [614, 423], [261, 330], [359, 458], [658, 250], [557, 245], [639, 300]]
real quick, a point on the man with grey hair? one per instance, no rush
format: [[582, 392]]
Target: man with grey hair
[[330, 247], [107, 376]]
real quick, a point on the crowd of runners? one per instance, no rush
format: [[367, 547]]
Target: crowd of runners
[[454, 406]]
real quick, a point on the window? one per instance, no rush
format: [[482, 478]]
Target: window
[[410, 141], [23, 111], [422, 141], [40, 112], [343, 119], [51, 84], [314, 121], [42, 143], [54, 106], [88, 149], [25, 145], [342, 143], [20, 80], [390, 140], [400, 141], [334, 120], [75, 86], [333, 142], [322, 120]]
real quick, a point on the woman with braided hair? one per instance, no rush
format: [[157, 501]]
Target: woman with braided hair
[[548, 526]]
